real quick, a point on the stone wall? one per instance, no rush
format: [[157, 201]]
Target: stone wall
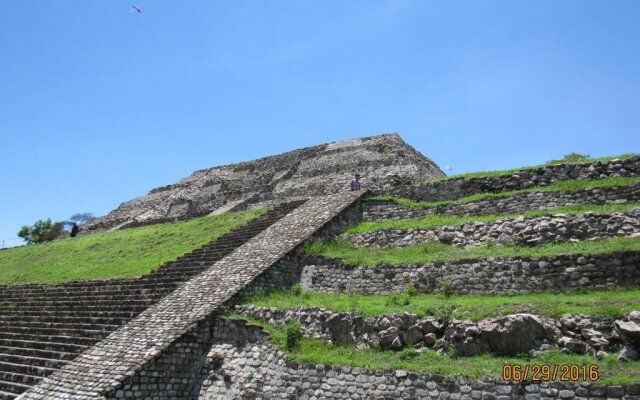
[[452, 189], [384, 161], [520, 231], [490, 276], [255, 369], [581, 334], [104, 368], [375, 210]]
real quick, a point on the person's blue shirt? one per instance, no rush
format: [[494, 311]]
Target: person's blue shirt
[[355, 185]]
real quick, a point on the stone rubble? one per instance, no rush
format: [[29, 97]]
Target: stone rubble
[[504, 335]]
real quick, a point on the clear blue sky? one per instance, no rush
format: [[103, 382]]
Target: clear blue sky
[[98, 105]]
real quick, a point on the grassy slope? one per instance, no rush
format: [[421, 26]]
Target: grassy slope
[[124, 253], [317, 351], [560, 186], [438, 252], [437, 220], [615, 303], [511, 171]]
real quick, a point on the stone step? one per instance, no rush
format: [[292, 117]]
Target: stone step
[[43, 331], [44, 345], [7, 396], [89, 296], [77, 340], [18, 381], [15, 388], [106, 302], [73, 313], [132, 287], [33, 361], [23, 369], [65, 319], [38, 353], [5, 325]]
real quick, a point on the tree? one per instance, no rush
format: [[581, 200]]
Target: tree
[[42, 231], [82, 218]]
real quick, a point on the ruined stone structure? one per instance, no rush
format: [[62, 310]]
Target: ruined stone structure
[[163, 336], [384, 161]]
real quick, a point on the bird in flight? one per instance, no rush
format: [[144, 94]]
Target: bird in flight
[[134, 9]]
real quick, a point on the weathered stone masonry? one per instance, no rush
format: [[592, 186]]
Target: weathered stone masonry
[[519, 231], [246, 366], [375, 210], [103, 369], [452, 189], [490, 276]]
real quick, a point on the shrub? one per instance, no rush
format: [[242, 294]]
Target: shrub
[[411, 289], [42, 231], [444, 312], [446, 286], [296, 290], [294, 335], [571, 158]]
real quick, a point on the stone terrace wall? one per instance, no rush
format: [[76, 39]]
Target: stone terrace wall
[[491, 276], [104, 368], [452, 189], [375, 210], [519, 231], [253, 369], [384, 161]]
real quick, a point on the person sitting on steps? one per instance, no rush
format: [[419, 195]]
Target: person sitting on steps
[[355, 183]]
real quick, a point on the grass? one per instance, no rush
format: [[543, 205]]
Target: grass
[[612, 303], [560, 186], [437, 220], [118, 254], [316, 351], [511, 171], [439, 252]]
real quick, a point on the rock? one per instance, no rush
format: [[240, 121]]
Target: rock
[[412, 336], [389, 338], [340, 327], [628, 353], [430, 339], [629, 331], [512, 334], [430, 325], [573, 345]]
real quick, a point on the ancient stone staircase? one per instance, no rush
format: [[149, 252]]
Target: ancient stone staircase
[[44, 327]]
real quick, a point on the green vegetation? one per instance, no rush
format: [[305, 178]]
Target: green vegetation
[[41, 231], [437, 220], [317, 351], [437, 252], [614, 303], [560, 186], [118, 254], [573, 158]]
